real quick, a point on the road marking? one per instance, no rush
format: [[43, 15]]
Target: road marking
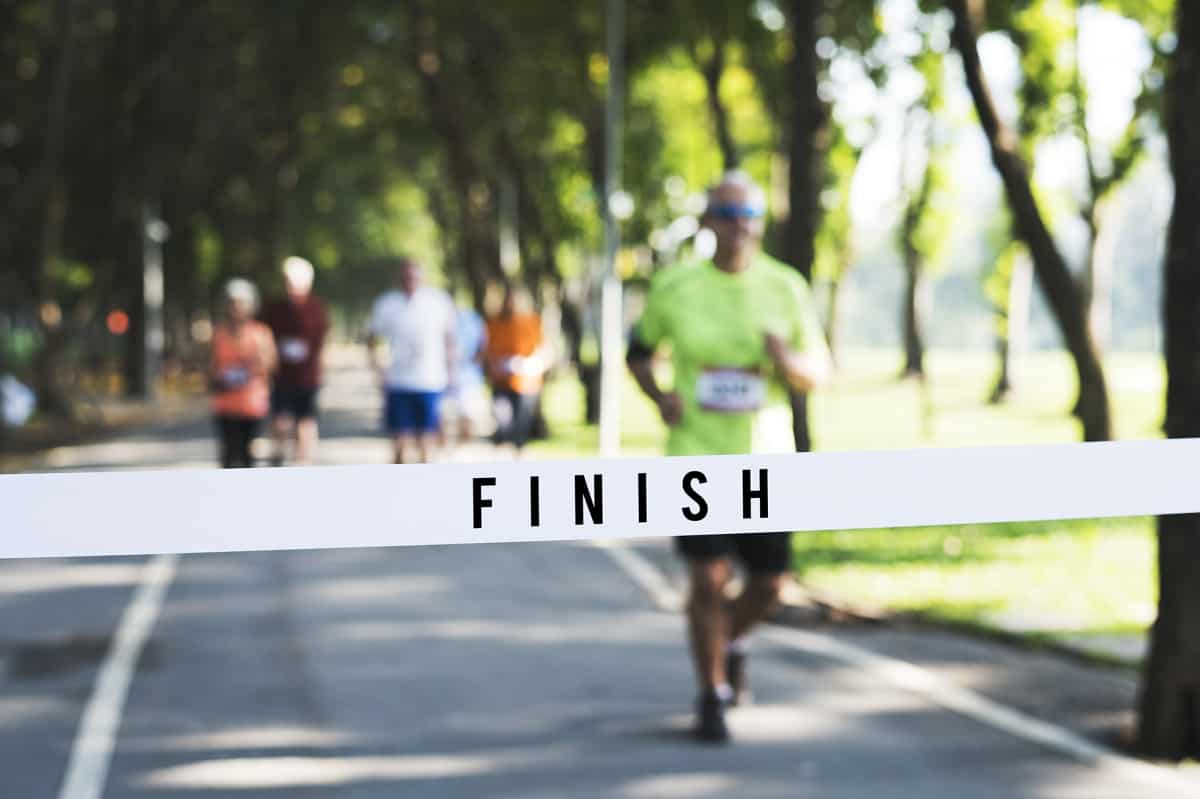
[[91, 751], [919, 681]]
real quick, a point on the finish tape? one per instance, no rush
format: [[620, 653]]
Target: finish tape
[[127, 513]]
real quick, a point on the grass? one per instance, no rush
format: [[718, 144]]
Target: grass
[[1073, 582]]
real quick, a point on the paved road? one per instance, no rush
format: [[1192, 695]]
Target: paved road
[[531, 670]]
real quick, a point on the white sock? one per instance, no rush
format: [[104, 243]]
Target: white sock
[[739, 645], [724, 692]]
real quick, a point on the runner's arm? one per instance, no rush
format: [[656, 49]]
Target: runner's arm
[[374, 330], [451, 351], [801, 357], [373, 359], [640, 359], [802, 371], [647, 334], [322, 333], [267, 356], [214, 366]]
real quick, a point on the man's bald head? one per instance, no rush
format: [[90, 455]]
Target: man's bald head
[[735, 213], [735, 185], [409, 274]]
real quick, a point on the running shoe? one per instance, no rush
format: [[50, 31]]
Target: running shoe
[[735, 673], [710, 719]]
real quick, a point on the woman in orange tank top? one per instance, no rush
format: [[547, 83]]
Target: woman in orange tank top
[[516, 366], [243, 356]]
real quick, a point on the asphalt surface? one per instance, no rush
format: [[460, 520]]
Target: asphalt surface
[[528, 670]]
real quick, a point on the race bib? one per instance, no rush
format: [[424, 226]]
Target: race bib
[[730, 390], [293, 350], [529, 366], [235, 377]]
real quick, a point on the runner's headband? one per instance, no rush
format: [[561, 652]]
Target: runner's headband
[[735, 211]]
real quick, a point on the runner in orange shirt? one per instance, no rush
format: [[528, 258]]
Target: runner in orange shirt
[[243, 356], [516, 366]]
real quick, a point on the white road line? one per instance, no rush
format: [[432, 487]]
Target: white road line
[[91, 752], [921, 682]]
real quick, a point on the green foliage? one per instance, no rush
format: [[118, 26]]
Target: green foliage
[[347, 133], [835, 239], [1054, 96]]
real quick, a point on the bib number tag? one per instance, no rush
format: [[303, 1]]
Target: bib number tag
[[730, 391], [235, 377], [293, 350]]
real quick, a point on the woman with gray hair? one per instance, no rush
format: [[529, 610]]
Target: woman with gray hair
[[243, 356]]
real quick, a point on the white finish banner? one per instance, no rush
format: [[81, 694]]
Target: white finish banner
[[125, 513]]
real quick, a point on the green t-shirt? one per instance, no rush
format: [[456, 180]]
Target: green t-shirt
[[715, 322]]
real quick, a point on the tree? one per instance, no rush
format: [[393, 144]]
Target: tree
[[1169, 705], [1062, 291], [924, 225], [806, 138], [48, 197], [834, 246], [1055, 99], [1008, 287]]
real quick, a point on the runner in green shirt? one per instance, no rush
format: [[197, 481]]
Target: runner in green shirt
[[742, 330]]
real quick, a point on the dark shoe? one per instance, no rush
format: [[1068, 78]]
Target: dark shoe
[[710, 719], [735, 673]]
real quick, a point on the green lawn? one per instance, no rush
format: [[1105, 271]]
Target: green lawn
[[1050, 580]]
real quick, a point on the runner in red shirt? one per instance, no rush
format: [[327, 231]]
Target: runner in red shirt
[[300, 324], [242, 357]]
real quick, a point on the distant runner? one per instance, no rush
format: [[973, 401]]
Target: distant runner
[[466, 405], [300, 324], [516, 365], [740, 326], [243, 356], [417, 321]]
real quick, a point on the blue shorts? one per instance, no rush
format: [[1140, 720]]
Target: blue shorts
[[411, 411]]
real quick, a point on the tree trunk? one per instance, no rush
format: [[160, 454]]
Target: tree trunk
[[1169, 707], [1097, 280], [1013, 339], [1062, 292], [806, 138], [712, 70], [916, 205], [833, 303], [134, 39], [914, 307], [451, 127], [1099, 286], [136, 370], [51, 209], [807, 135]]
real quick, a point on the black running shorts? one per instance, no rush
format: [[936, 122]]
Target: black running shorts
[[760, 553], [296, 401]]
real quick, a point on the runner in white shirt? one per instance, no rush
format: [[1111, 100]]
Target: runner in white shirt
[[417, 321]]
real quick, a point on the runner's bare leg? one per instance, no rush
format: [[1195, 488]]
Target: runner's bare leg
[[708, 622], [759, 597], [281, 432], [427, 445], [306, 440]]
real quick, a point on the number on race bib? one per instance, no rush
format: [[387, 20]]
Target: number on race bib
[[730, 390], [235, 377], [293, 350]]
